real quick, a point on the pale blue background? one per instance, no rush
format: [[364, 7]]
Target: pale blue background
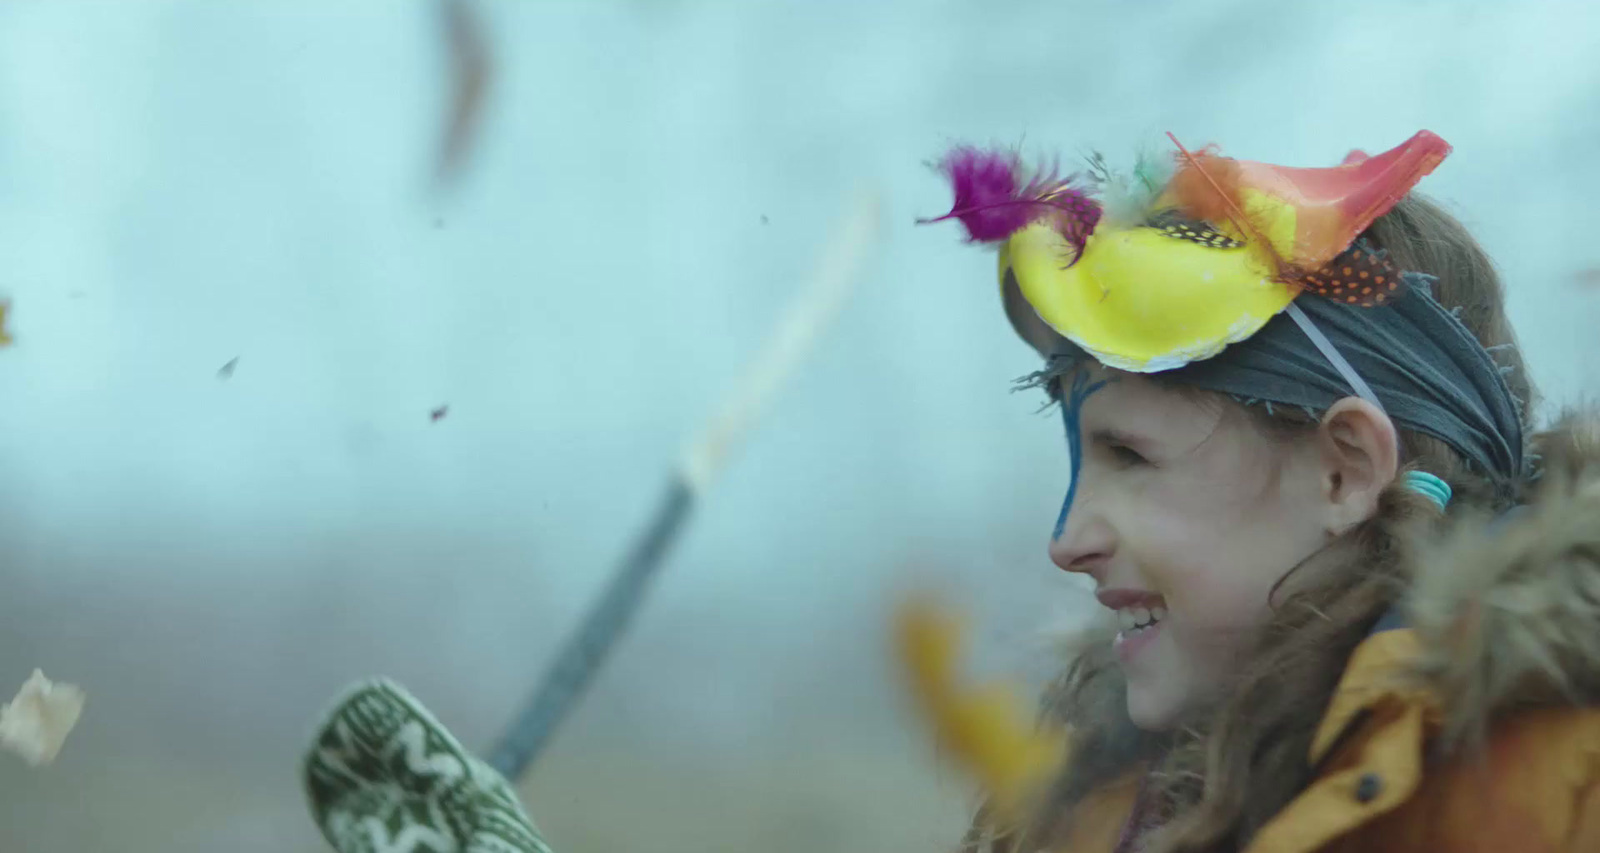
[[182, 183]]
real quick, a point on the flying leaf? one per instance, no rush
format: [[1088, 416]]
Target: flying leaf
[[36, 723], [470, 69], [984, 728]]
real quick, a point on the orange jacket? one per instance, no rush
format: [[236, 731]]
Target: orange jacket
[[1534, 788], [1504, 640]]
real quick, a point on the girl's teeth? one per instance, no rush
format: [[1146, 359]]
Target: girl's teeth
[[1136, 618]]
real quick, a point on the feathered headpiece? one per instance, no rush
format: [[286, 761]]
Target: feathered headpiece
[[1187, 255]]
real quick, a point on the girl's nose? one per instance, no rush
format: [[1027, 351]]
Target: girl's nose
[[1085, 543]]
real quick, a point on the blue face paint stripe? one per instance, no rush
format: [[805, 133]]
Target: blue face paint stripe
[[1071, 408]]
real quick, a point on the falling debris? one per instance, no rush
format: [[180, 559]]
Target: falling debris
[[470, 72], [985, 728], [763, 219], [1588, 278], [226, 372], [5, 324], [36, 723], [439, 413]]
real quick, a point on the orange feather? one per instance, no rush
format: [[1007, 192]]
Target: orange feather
[[1207, 187]]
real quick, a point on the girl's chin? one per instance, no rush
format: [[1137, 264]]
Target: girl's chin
[[1150, 713], [1157, 697]]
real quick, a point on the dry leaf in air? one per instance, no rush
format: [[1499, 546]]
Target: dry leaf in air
[[984, 727], [36, 723], [471, 69]]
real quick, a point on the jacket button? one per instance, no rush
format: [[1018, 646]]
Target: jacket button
[[1368, 787]]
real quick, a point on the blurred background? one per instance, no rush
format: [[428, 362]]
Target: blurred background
[[284, 412]]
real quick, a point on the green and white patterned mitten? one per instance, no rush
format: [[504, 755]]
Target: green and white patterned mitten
[[383, 776]]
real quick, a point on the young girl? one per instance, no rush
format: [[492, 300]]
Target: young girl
[[1357, 601]]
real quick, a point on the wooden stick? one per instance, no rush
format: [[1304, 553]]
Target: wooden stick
[[705, 456]]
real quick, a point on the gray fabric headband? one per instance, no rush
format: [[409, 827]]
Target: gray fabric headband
[[1427, 370]]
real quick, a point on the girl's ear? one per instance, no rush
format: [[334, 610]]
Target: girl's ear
[[1360, 456]]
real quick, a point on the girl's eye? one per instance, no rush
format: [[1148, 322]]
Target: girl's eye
[[1125, 454]]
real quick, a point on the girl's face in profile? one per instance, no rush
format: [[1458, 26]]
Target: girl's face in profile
[[1185, 515]]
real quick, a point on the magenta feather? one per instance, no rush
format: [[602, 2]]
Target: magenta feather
[[993, 202]]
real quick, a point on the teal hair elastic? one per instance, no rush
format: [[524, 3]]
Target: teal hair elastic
[[1429, 486]]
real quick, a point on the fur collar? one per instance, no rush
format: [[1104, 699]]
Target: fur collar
[[1508, 616]]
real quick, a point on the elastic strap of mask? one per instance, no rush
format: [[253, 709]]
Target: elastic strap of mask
[[1331, 352]]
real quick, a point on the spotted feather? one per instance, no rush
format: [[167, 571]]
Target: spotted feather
[[1357, 277], [1178, 227]]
